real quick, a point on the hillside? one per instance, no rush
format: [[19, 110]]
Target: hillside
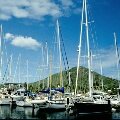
[[109, 84]]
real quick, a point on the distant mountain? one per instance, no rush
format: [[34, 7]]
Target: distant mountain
[[109, 83]]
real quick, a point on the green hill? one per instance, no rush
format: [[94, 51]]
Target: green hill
[[109, 83]]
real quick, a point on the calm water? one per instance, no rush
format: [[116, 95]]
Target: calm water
[[6, 112]]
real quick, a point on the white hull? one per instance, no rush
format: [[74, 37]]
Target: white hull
[[5, 101], [38, 101], [23, 104], [56, 106], [17, 97], [115, 102]]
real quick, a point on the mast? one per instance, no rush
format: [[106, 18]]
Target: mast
[[69, 79], [79, 50], [1, 52], [19, 69], [47, 53], [88, 47], [59, 43], [17, 66], [10, 71], [50, 78], [47, 64], [84, 9], [69, 82], [118, 60], [92, 74], [101, 71], [27, 73], [42, 70]]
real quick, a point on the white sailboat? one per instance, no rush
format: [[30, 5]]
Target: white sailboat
[[5, 98], [84, 12], [115, 101], [23, 100], [89, 97], [88, 108], [58, 102]]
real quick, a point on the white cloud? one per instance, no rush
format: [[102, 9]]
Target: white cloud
[[36, 9], [67, 3], [9, 36], [23, 42]]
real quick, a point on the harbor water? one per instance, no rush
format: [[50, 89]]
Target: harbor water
[[7, 112]]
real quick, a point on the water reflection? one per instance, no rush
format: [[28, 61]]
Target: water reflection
[[7, 112]]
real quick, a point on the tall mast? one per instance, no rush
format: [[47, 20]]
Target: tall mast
[[0, 52], [19, 69], [50, 79], [47, 65], [88, 47], [118, 60], [27, 73], [47, 53], [84, 9], [69, 79], [101, 71], [79, 49], [69, 82], [92, 75], [42, 70], [59, 42], [10, 69]]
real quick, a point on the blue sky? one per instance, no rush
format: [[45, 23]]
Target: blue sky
[[28, 24]]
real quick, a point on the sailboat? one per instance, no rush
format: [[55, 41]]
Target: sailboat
[[26, 99], [84, 12], [115, 101], [56, 102], [22, 99], [5, 98], [88, 107]]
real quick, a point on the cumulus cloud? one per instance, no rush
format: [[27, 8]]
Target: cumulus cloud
[[23, 42], [67, 3], [9, 36], [35, 9]]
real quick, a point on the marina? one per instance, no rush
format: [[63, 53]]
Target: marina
[[39, 80]]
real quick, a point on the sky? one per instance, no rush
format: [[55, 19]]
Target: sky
[[28, 24]]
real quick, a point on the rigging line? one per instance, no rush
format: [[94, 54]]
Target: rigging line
[[4, 44], [117, 50], [64, 61], [16, 66], [6, 69], [91, 30], [95, 38], [64, 49], [93, 33], [67, 72]]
